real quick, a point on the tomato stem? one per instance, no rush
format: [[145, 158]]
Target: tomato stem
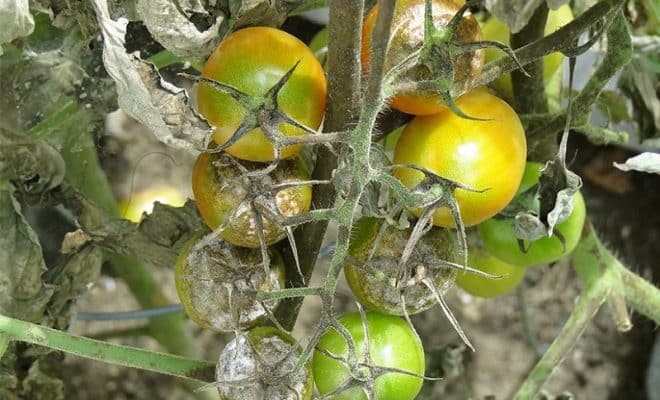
[[14, 329]]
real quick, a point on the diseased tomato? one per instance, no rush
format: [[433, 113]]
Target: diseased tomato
[[253, 60], [407, 35], [498, 235], [216, 283], [220, 189], [374, 279], [258, 365], [481, 286], [483, 155], [392, 343]]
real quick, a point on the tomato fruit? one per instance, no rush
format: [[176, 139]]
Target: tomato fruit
[[257, 365], [253, 60], [374, 280], [392, 343], [499, 238], [484, 155], [220, 188], [407, 35], [216, 283], [481, 286], [143, 201], [494, 29]]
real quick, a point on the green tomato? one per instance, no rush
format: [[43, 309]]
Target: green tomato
[[499, 238], [392, 343], [480, 286], [494, 29]]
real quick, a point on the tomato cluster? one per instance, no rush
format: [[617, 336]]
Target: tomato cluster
[[475, 159]]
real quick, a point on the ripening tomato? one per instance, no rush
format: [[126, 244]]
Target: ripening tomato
[[253, 60], [494, 29], [220, 189], [407, 35], [481, 286], [483, 155], [499, 238], [393, 343], [143, 201]]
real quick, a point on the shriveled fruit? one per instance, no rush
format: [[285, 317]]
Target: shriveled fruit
[[379, 283], [217, 283], [225, 195], [259, 365]]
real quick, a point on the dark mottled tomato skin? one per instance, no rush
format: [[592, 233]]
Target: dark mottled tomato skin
[[407, 35]]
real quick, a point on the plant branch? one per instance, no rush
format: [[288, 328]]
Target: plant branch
[[561, 40], [343, 70], [187, 368]]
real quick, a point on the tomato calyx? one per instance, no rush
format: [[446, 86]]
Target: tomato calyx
[[449, 59], [262, 112]]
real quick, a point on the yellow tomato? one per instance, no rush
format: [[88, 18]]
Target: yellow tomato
[[483, 155], [142, 202]]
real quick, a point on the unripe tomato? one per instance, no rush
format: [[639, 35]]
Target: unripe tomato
[[392, 343], [499, 238], [220, 188], [258, 365], [481, 286], [253, 60], [217, 283], [494, 29], [407, 35], [373, 280], [319, 45], [484, 155], [142, 202]]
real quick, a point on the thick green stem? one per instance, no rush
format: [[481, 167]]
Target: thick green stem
[[198, 370], [640, 294], [588, 303]]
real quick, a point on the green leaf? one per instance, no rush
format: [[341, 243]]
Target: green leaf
[[23, 294]]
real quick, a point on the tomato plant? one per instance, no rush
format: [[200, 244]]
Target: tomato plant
[[374, 274], [258, 365], [488, 156], [407, 35], [494, 29], [481, 286], [498, 235], [392, 343], [223, 196], [253, 60], [143, 201], [216, 282]]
